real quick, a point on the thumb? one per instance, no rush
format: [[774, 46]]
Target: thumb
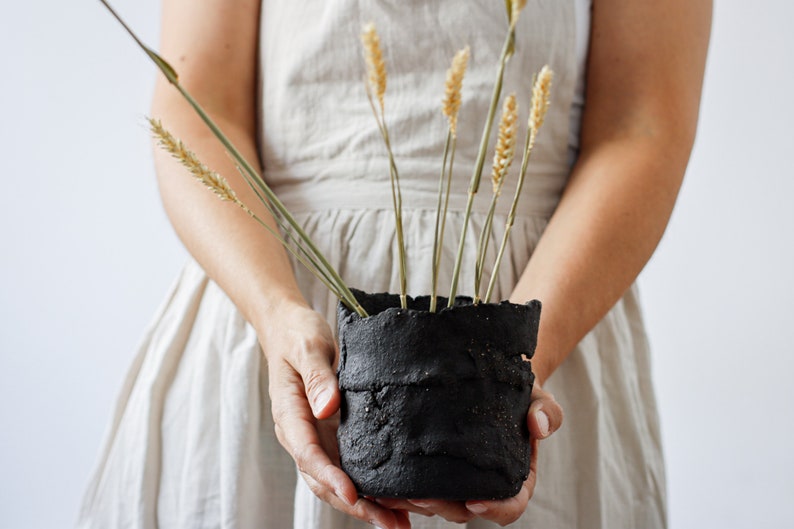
[[545, 414], [320, 383]]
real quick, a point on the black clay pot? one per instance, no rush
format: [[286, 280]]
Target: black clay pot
[[434, 405]]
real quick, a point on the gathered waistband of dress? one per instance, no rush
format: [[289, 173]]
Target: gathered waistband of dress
[[540, 195]]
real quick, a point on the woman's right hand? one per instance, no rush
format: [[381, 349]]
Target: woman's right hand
[[302, 354]]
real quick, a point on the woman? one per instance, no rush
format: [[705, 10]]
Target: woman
[[195, 440]]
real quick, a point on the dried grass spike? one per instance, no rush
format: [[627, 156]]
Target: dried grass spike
[[506, 142], [541, 99], [376, 67], [516, 7], [177, 149], [454, 85]]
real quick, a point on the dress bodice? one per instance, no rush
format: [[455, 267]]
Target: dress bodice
[[319, 141]]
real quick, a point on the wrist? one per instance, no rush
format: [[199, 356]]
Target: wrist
[[270, 311], [548, 353], [541, 369]]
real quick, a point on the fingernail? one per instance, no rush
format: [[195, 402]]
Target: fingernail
[[321, 400], [420, 503], [476, 508], [543, 423]]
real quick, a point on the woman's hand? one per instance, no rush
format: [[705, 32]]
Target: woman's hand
[[544, 418], [305, 397]]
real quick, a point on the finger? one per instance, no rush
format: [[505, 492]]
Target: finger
[[452, 511], [503, 512], [545, 414], [326, 430], [507, 511], [296, 430], [403, 520], [312, 461], [362, 509], [403, 505], [315, 362]]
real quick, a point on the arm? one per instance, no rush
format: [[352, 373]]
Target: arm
[[213, 46], [645, 72]]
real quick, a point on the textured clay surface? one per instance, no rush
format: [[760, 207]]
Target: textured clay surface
[[434, 404]]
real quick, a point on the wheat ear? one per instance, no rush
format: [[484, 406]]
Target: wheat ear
[[376, 67], [186, 157], [505, 144], [453, 86], [515, 10], [541, 99]]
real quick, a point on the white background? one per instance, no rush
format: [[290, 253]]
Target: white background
[[87, 255]]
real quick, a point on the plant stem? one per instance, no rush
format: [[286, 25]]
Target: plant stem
[[446, 201], [273, 199], [482, 245], [507, 50], [394, 179], [436, 234], [290, 236], [398, 216], [170, 74], [318, 273]]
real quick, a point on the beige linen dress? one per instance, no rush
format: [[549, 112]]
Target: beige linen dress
[[191, 444]]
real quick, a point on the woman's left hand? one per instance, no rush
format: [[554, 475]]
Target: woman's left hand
[[544, 418]]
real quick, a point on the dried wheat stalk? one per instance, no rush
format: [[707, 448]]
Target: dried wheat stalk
[[503, 157], [376, 82], [541, 99]]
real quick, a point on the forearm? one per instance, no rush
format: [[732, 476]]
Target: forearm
[[608, 223], [645, 71], [247, 262]]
